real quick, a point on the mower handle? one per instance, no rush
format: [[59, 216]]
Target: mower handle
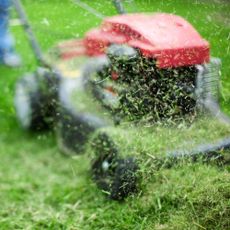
[[29, 32], [117, 3], [119, 6]]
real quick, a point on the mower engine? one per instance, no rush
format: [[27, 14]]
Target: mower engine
[[143, 91], [162, 72]]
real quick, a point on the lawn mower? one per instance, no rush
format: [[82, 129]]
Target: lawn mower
[[137, 95]]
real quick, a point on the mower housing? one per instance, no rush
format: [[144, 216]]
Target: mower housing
[[167, 38]]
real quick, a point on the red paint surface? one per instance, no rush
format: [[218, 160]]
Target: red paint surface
[[167, 38], [71, 49]]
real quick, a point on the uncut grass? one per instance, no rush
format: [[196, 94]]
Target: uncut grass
[[41, 189]]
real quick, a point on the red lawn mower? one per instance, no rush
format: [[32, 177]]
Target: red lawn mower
[[131, 73]]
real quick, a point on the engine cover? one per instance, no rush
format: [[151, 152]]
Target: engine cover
[[167, 38]]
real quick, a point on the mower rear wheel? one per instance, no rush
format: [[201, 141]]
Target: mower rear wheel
[[74, 130], [35, 108], [77, 125], [27, 103]]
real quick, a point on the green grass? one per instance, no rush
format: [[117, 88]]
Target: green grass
[[42, 189]]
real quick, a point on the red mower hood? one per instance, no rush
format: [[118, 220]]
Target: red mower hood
[[168, 38]]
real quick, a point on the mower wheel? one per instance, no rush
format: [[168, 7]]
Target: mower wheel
[[28, 103], [75, 125], [125, 179], [74, 130], [116, 177], [35, 108]]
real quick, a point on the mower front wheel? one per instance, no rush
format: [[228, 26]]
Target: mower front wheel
[[115, 176]]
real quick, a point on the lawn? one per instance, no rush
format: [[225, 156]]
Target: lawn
[[42, 189]]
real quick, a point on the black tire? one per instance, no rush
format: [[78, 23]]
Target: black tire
[[104, 166], [116, 177], [125, 179], [36, 100], [75, 129]]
